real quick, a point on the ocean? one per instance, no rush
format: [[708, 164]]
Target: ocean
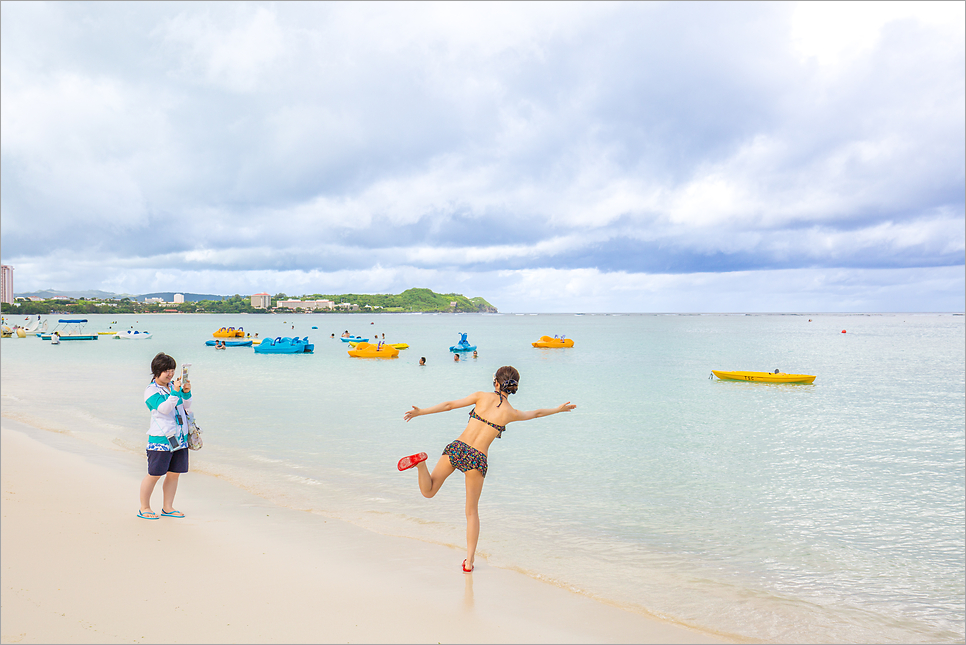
[[830, 512]]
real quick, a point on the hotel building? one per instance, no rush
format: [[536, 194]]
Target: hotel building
[[261, 301], [6, 289]]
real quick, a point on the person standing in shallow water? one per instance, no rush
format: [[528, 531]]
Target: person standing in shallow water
[[488, 420]]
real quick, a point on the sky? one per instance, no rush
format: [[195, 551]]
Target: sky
[[549, 157]]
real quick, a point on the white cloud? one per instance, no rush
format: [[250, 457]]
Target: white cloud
[[832, 32], [236, 55], [799, 290]]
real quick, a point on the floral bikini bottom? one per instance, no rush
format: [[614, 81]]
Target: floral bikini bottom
[[465, 457]]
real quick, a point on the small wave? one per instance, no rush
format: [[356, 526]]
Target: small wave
[[303, 480], [265, 460]]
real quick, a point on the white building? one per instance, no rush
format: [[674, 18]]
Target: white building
[[179, 298], [305, 304], [6, 289], [261, 301]]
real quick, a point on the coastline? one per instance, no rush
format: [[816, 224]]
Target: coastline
[[79, 566]]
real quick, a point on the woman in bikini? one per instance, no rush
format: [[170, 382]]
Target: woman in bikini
[[488, 420]]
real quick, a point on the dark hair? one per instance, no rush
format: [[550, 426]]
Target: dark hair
[[162, 363], [507, 379]]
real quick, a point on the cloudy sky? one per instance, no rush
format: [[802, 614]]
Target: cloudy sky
[[549, 157]]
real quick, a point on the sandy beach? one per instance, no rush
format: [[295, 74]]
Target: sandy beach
[[78, 566]]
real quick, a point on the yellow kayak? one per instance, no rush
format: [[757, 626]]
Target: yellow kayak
[[763, 377]]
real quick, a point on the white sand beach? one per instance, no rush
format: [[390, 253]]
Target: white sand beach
[[78, 566]]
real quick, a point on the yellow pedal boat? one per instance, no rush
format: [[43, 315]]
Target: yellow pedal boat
[[229, 332], [546, 341], [763, 377], [369, 350], [396, 345]]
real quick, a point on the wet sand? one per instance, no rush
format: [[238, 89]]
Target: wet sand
[[78, 566]]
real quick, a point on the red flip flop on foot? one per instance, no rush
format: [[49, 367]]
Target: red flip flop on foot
[[408, 462], [465, 570]]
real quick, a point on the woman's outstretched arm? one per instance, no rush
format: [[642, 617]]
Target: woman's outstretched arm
[[526, 415], [443, 407]]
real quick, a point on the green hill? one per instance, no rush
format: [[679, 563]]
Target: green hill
[[410, 300]]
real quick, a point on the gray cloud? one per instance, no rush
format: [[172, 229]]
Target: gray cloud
[[628, 139]]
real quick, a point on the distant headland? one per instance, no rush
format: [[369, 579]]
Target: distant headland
[[102, 302]]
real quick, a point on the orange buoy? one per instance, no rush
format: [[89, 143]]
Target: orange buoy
[[843, 331]]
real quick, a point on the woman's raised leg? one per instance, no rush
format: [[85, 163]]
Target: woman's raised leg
[[429, 484], [474, 486]]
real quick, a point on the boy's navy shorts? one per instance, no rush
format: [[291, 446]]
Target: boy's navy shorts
[[161, 462]]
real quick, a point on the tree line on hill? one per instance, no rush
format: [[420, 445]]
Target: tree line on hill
[[411, 300]]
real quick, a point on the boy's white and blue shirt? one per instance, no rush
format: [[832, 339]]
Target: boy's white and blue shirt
[[169, 415]]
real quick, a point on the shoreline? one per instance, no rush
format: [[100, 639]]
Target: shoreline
[[79, 566]]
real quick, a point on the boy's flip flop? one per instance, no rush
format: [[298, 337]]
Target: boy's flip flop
[[408, 462], [178, 514], [150, 515], [465, 570]]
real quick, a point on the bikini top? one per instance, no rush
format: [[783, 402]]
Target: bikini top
[[499, 429]]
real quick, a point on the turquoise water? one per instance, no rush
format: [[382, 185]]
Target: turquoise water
[[786, 513]]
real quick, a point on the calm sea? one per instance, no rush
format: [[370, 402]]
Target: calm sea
[[790, 513]]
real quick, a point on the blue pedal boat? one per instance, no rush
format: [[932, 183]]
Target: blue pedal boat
[[285, 345], [462, 346]]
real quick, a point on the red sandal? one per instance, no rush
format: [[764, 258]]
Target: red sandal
[[465, 570], [408, 462]]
